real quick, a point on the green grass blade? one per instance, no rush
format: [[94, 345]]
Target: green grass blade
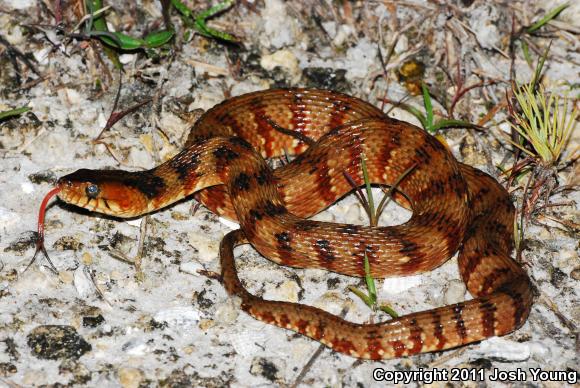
[[158, 38], [526, 52], [365, 298], [448, 123], [201, 20], [417, 113], [370, 281], [372, 212], [389, 310], [13, 112], [540, 67], [119, 40], [181, 8], [549, 16], [428, 107], [100, 24]]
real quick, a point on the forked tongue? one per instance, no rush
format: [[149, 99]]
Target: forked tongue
[[40, 235]]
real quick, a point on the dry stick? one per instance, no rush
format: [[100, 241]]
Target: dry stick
[[568, 224], [57, 12], [519, 248], [358, 193], [88, 17], [396, 104], [91, 276], [31, 84], [137, 260], [492, 112], [389, 194], [314, 357], [461, 92], [447, 356], [563, 319], [17, 53], [114, 117], [384, 62], [289, 132]]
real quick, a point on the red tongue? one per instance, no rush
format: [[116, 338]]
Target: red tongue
[[42, 212], [40, 238]]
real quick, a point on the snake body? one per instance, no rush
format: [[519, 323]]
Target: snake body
[[455, 208]]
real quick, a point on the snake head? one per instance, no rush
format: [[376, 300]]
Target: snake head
[[113, 192]]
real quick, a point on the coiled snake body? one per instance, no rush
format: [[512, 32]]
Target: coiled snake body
[[455, 207]]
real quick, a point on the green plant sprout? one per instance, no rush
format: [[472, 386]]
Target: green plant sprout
[[97, 27], [200, 20], [427, 120], [544, 123], [370, 299], [129, 43]]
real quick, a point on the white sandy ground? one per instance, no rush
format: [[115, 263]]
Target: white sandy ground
[[178, 325]]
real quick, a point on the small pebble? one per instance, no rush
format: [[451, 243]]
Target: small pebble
[[282, 58], [206, 324], [116, 275], [66, 277], [86, 258], [126, 58], [575, 274], [226, 312], [37, 279], [32, 377], [401, 284], [83, 283], [207, 248], [181, 317], [27, 188], [53, 342], [454, 292], [7, 368], [136, 222], [287, 291], [248, 342], [504, 350], [93, 321], [332, 302], [136, 347], [353, 214], [69, 96], [130, 377]]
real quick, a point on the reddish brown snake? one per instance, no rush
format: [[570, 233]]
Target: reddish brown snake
[[455, 208]]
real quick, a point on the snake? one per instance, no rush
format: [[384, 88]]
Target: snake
[[327, 136]]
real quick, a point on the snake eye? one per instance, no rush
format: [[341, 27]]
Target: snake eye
[[92, 191]]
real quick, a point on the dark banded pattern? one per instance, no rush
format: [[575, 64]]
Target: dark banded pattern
[[455, 207]]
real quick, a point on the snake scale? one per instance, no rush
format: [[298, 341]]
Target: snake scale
[[455, 208]]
